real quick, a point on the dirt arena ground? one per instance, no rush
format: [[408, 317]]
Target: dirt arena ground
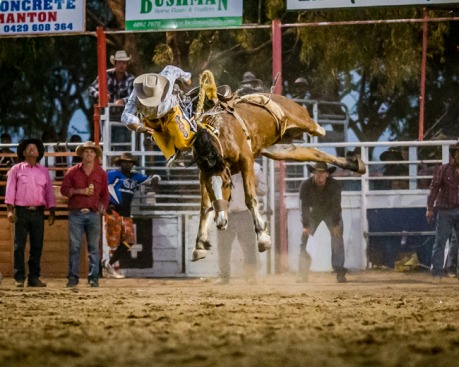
[[378, 318]]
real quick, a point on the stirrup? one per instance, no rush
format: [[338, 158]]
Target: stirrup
[[172, 159]]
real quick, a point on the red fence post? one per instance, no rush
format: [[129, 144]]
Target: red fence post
[[102, 76], [277, 68]]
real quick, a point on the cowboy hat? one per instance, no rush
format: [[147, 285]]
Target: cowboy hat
[[391, 154], [126, 157], [119, 56], [23, 145], [321, 166], [151, 89], [453, 148], [88, 145]]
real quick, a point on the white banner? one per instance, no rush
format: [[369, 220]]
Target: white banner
[[175, 14], [21, 17], [328, 4]]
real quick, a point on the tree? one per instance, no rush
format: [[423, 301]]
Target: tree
[[378, 65]]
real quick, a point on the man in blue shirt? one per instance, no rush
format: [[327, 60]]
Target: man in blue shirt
[[119, 231]]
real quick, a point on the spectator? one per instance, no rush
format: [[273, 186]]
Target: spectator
[[75, 159], [119, 229], [6, 162], [55, 163], [300, 89], [28, 193], [444, 199], [350, 185], [240, 227], [119, 81], [393, 169], [85, 184], [165, 118], [320, 198], [250, 84]]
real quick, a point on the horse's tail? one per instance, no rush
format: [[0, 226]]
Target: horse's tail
[[207, 90]]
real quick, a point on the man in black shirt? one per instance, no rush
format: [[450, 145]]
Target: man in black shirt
[[320, 198]]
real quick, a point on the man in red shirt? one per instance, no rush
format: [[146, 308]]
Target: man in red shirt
[[444, 199], [29, 192], [85, 184]]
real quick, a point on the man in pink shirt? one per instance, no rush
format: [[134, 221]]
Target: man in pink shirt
[[86, 186], [29, 192]]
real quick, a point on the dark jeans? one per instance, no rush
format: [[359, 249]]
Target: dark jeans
[[337, 243], [447, 221], [28, 223]]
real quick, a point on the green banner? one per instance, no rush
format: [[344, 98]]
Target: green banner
[[142, 25]]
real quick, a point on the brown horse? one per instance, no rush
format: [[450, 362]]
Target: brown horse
[[228, 141]]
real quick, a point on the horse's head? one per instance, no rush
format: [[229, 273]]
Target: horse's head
[[215, 174]]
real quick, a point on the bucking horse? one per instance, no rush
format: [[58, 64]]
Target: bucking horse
[[231, 134]]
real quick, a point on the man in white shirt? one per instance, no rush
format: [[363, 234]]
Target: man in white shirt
[[240, 227]]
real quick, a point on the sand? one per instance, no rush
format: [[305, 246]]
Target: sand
[[378, 318]]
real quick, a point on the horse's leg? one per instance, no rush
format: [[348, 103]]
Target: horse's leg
[[251, 201], [202, 238], [282, 152]]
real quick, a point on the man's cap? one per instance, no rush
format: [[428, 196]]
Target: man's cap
[[301, 81], [119, 56], [23, 145], [151, 89], [248, 76]]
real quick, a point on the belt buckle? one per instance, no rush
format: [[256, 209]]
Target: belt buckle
[[85, 211], [32, 208]]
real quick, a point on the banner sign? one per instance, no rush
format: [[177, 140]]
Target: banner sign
[[176, 14], [22, 17], [327, 4]]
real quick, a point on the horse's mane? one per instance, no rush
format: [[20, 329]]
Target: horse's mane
[[207, 156]]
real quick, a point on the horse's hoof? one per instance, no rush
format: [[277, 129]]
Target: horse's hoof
[[198, 254], [264, 242], [355, 165], [262, 247], [319, 131], [361, 167]]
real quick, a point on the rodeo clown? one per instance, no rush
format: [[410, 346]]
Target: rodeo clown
[[156, 104], [119, 231]]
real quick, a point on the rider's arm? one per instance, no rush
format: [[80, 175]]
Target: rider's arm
[[129, 117]]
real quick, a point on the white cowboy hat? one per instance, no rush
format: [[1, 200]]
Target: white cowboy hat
[[88, 145], [151, 89], [119, 56]]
